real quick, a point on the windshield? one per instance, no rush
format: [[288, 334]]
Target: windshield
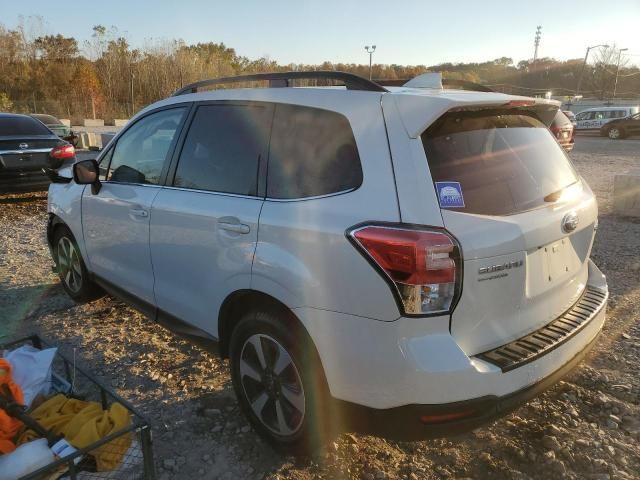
[[505, 163], [47, 119]]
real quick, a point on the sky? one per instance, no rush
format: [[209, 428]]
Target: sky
[[410, 32]]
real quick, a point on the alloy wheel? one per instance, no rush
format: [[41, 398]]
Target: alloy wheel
[[69, 264], [272, 384], [614, 133]]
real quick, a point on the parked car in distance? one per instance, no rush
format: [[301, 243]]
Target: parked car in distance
[[26, 147], [563, 130], [57, 127], [593, 119], [419, 256], [622, 127], [571, 116]]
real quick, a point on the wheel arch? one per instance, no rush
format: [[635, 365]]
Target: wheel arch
[[242, 301], [54, 223]]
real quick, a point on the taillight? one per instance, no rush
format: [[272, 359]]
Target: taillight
[[520, 103], [62, 152], [422, 265]]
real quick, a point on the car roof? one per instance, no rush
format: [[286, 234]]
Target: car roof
[[13, 115], [605, 109], [420, 106]]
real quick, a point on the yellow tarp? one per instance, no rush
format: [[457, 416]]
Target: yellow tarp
[[83, 423]]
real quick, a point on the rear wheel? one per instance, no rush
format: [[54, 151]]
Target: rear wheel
[[615, 133], [71, 268], [279, 382]]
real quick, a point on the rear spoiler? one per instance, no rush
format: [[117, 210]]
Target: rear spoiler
[[418, 112], [433, 80]]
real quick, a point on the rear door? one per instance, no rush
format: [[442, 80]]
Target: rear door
[[524, 219], [204, 224], [115, 220]]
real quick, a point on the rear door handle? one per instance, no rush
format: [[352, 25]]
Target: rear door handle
[[139, 212], [234, 227]]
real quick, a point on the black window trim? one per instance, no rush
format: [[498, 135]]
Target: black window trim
[[172, 147], [261, 188]]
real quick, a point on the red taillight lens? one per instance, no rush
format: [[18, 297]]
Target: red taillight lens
[[521, 103], [63, 151], [445, 417], [420, 263]]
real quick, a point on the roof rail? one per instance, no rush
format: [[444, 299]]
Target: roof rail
[[282, 79]]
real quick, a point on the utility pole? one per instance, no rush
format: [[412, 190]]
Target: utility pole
[[536, 43], [615, 85], [131, 77], [584, 65], [370, 51]]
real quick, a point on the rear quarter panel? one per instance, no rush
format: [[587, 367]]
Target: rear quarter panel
[[303, 257]]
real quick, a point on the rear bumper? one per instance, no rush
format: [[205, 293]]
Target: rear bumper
[[413, 422], [23, 181], [397, 372]]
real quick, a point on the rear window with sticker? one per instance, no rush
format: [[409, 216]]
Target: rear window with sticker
[[494, 162]]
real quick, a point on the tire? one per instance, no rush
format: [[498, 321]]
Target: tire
[[615, 133], [71, 268], [284, 393]]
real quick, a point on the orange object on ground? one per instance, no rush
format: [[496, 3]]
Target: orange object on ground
[[9, 426]]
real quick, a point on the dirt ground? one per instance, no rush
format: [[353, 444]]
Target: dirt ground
[[587, 426]]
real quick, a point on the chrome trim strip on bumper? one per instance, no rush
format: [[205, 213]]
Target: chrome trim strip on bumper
[[29, 150]]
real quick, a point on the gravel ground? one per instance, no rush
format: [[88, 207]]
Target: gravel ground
[[587, 426]]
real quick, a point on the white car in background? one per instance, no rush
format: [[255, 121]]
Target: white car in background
[[420, 256], [594, 118]]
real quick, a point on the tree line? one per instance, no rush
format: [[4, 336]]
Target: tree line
[[105, 77]]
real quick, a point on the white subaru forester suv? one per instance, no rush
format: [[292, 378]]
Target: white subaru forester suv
[[417, 255]]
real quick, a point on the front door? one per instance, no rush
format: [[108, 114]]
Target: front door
[[204, 224], [116, 219]]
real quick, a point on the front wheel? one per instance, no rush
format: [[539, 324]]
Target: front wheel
[[71, 268], [279, 382], [615, 133]]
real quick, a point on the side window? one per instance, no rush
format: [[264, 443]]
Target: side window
[[142, 150], [104, 164], [584, 116], [599, 115], [223, 148], [313, 152]]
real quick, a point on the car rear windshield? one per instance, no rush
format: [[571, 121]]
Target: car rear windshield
[[10, 126], [561, 120], [47, 119], [496, 162]]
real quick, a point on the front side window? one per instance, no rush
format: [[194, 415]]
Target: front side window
[[223, 148], [313, 152], [585, 116], [505, 163], [142, 150]]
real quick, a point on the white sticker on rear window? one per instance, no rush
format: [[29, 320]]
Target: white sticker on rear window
[[450, 194]]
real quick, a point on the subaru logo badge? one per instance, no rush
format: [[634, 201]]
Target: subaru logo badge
[[569, 222], [23, 146]]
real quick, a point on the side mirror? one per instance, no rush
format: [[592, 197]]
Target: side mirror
[[87, 172]]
